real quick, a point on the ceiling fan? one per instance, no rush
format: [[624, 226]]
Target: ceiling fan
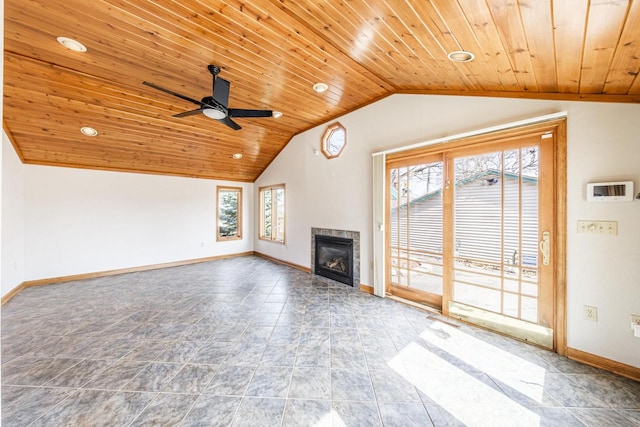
[[215, 107]]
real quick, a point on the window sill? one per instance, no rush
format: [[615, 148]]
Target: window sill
[[227, 239], [264, 239]]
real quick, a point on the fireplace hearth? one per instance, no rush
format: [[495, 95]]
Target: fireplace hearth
[[335, 254]]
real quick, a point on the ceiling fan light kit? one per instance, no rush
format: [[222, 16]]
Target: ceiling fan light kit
[[216, 106], [213, 113]]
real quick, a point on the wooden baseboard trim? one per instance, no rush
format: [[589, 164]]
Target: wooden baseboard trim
[[366, 288], [13, 292], [603, 363], [61, 279], [283, 262]]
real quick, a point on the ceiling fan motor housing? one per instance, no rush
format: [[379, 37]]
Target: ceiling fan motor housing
[[213, 69]]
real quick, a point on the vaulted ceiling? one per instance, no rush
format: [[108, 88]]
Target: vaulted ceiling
[[272, 52]]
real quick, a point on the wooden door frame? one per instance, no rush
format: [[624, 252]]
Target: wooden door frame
[[558, 128]]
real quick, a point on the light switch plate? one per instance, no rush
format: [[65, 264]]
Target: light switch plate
[[598, 227]]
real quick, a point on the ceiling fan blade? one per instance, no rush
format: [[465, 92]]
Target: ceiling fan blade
[[236, 112], [188, 113], [170, 92], [227, 121], [221, 91]]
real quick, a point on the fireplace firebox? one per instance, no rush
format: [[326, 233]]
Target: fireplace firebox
[[334, 258]]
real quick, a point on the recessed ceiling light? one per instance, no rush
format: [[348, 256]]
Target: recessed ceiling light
[[461, 56], [88, 131], [277, 114], [320, 87], [72, 44], [237, 156]]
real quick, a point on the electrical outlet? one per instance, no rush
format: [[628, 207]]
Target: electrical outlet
[[635, 320], [590, 313]]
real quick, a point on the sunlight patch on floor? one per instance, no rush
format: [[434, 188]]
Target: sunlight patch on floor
[[331, 419], [521, 375], [468, 399]]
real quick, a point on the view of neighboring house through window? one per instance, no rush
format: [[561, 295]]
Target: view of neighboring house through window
[[496, 230], [416, 222], [272, 213], [229, 213], [466, 232]]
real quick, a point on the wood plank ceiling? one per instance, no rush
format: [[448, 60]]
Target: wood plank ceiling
[[272, 51]]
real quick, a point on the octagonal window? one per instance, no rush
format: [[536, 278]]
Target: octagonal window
[[334, 140]]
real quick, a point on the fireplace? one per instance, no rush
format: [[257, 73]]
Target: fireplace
[[334, 258], [335, 254]]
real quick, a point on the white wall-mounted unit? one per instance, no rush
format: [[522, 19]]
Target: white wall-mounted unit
[[621, 191]]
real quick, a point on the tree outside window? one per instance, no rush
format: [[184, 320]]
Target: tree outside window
[[272, 213], [229, 213]]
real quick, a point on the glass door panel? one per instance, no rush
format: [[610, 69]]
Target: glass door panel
[[496, 227], [415, 241]]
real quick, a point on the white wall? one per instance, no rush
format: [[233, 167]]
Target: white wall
[[603, 271], [320, 193], [82, 221], [12, 218]]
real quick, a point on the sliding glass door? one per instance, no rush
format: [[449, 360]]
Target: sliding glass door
[[470, 233]]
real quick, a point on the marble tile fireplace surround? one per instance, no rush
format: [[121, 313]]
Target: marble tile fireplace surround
[[331, 260]]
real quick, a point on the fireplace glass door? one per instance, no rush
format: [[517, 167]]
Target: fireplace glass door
[[334, 258]]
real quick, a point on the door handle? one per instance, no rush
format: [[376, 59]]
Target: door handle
[[544, 247]]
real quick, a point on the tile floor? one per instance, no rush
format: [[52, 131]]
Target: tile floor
[[246, 342]]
